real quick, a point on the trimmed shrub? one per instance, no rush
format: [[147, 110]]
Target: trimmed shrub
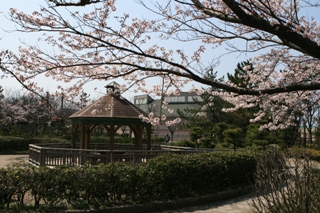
[[105, 139], [184, 143], [12, 144], [16, 144], [313, 154], [166, 177]]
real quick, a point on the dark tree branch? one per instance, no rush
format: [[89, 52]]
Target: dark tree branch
[[287, 34], [79, 3]]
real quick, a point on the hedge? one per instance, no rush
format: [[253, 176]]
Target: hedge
[[166, 177], [314, 154], [16, 144]]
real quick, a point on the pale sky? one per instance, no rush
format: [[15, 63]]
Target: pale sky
[[12, 40]]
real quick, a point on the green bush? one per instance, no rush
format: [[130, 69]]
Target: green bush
[[13, 144], [46, 140], [157, 140], [207, 143], [16, 144], [99, 139], [185, 143], [163, 178], [314, 154], [105, 139]]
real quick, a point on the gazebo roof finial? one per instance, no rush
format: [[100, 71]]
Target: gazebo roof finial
[[113, 87]]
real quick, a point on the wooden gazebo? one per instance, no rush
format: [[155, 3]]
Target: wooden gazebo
[[111, 111]]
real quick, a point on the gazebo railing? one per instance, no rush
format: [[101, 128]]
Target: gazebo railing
[[52, 156], [119, 146], [172, 148]]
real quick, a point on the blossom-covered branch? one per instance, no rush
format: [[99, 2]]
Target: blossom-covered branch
[[100, 46]]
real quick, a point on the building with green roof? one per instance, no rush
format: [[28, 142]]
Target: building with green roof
[[184, 100]]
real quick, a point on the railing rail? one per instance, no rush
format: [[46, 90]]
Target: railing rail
[[52, 155], [99, 146]]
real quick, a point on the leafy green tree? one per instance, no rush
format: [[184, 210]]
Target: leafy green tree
[[195, 134], [209, 110], [234, 137], [240, 77], [289, 136], [208, 114], [256, 137], [241, 117]]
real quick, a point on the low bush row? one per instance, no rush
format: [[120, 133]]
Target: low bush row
[[16, 144], [313, 154], [166, 177], [122, 139]]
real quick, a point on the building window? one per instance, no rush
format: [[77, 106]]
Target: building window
[[192, 98], [141, 101], [175, 99]]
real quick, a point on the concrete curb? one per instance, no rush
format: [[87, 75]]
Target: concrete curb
[[173, 205]]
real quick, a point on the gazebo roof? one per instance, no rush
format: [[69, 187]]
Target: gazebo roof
[[109, 109]]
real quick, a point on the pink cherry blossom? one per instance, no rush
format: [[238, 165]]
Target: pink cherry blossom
[[89, 48]]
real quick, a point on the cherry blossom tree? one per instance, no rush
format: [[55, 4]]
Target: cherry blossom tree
[[1, 105], [26, 114], [102, 46], [14, 116]]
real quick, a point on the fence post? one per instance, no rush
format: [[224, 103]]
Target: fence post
[[42, 157]]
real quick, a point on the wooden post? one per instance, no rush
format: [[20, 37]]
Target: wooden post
[[149, 137], [87, 137], [74, 134], [138, 137], [111, 142], [82, 136], [42, 157]]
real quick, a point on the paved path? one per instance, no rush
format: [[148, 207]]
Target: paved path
[[6, 160], [235, 205]]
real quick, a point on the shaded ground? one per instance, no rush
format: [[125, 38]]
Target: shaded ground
[[235, 205], [5, 160]]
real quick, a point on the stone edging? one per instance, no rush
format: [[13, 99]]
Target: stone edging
[[172, 205]]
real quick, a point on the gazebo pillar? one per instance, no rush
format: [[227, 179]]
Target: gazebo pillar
[[138, 137], [148, 137], [82, 136], [74, 134], [111, 137], [87, 136]]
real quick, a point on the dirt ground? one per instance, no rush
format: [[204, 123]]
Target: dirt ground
[[5, 160]]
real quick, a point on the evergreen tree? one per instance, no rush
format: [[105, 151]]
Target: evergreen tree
[[240, 76]]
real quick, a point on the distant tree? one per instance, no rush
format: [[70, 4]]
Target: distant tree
[[208, 110], [195, 134], [218, 130], [234, 137], [309, 122], [241, 76], [259, 138], [1, 105], [317, 137], [25, 114]]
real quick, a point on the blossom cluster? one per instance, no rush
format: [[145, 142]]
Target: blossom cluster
[[282, 81]]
